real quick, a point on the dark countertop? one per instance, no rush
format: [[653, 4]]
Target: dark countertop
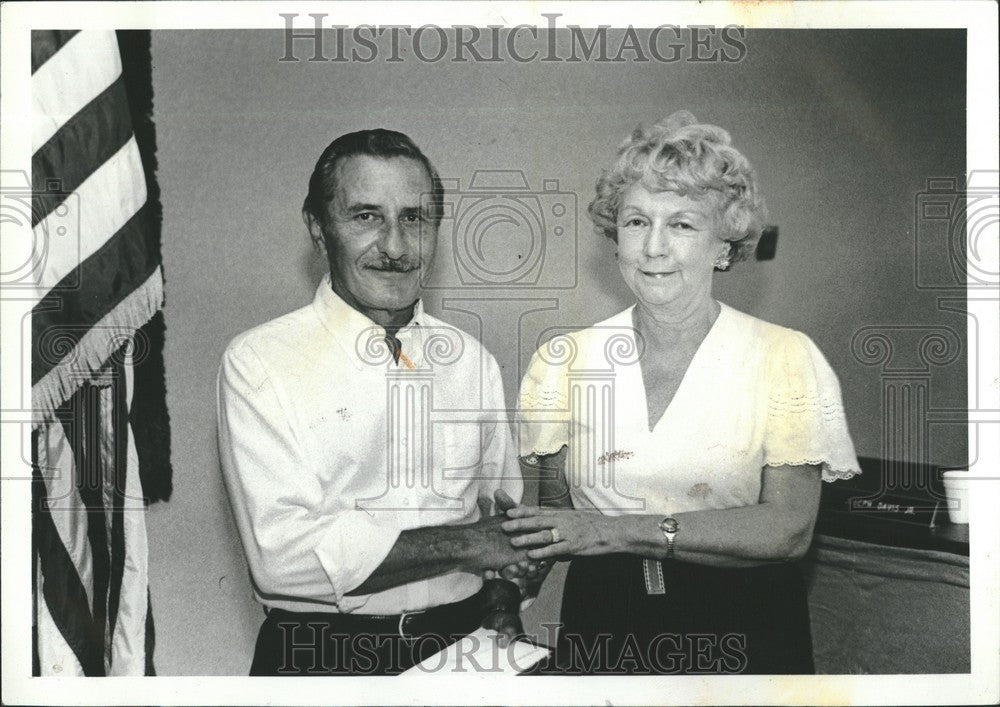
[[944, 537], [908, 511]]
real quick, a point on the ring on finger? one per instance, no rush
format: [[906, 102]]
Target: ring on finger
[[555, 535]]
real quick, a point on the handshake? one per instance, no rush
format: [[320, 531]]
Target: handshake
[[502, 555], [520, 542]]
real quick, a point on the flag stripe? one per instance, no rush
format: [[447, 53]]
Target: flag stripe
[[78, 149], [46, 42], [70, 521], [130, 641], [94, 213], [128, 256], [61, 587], [55, 655], [78, 72], [116, 424], [84, 431], [69, 515]]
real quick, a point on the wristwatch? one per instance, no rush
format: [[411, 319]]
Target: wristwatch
[[670, 526]]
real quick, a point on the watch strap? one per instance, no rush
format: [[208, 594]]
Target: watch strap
[[653, 572]]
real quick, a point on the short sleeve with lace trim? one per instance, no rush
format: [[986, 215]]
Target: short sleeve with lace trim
[[806, 424], [543, 421]]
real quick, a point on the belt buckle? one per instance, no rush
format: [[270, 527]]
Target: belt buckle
[[402, 619]]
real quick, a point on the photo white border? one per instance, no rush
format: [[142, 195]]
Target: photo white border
[[981, 686]]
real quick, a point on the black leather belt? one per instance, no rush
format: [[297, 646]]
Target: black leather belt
[[460, 617]]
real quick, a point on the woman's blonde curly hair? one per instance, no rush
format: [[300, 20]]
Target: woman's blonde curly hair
[[694, 159]]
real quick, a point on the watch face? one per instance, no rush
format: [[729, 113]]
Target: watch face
[[669, 525]]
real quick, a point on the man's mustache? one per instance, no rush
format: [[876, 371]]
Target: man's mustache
[[390, 265]]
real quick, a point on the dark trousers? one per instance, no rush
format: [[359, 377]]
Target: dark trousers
[[710, 621], [320, 643]]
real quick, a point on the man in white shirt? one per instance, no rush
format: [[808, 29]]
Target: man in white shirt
[[359, 436]]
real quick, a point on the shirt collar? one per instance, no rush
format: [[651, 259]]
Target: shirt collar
[[361, 338]]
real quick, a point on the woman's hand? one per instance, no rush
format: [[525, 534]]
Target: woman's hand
[[526, 572], [554, 532]]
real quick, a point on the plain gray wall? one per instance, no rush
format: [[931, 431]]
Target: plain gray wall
[[844, 127]]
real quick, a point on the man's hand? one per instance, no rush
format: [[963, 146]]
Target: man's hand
[[503, 612], [489, 546], [434, 550]]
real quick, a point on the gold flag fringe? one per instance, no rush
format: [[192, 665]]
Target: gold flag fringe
[[95, 347]]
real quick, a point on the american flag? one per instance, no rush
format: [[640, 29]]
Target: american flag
[[99, 286]]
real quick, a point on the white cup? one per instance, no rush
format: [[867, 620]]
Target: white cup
[[956, 490]]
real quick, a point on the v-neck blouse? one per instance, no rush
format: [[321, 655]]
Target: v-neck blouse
[[692, 379], [755, 394]]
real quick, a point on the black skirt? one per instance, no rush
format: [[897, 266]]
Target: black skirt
[[710, 621]]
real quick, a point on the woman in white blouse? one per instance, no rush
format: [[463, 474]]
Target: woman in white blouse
[[681, 442]]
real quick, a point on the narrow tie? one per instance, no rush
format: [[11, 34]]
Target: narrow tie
[[395, 345]]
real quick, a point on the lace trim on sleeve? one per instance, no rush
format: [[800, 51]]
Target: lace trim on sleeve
[[542, 420], [829, 472], [806, 424], [542, 451]]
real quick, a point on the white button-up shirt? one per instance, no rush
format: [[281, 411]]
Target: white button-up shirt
[[329, 450]]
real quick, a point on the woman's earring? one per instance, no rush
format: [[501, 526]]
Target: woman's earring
[[722, 262]]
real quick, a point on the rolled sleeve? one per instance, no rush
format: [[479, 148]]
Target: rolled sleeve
[[351, 549], [299, 545]]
